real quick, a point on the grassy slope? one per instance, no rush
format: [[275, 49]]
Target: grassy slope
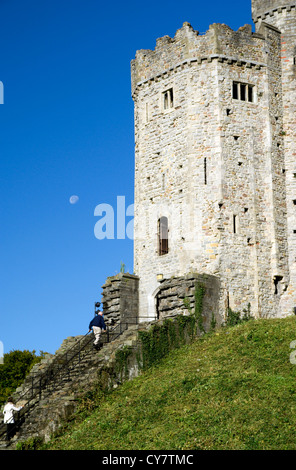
[[233, 389]]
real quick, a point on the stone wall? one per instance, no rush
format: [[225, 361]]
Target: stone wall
[[262, 9], [282, 15], [174, 292], [116, 362], [120, 299]]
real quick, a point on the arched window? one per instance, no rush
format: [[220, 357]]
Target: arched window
[[163, 232]]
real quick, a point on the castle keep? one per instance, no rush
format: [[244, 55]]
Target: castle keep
[[215, 167], [215, 205]]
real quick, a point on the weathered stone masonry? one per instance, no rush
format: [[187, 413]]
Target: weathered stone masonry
[[214, 156], [120, 299], [122, 359], [282, 15], [215, 194], [173, 293]]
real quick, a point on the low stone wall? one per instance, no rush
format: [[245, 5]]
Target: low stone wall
[[144, 345], [136, 349], [175, 295]]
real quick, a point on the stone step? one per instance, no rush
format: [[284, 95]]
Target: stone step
[[64, 384]]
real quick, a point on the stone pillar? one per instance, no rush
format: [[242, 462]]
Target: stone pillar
[[120, 299]]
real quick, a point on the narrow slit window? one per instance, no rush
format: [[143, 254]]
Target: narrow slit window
[[168, 99], [205, 171], [243, 92], [234, 223], [235, 90], [171, 95], [163, 233], [165, 100], [276, 281]]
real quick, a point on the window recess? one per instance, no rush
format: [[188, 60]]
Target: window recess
[[163, 233], [243, 92], [234, 223], [168, 99]]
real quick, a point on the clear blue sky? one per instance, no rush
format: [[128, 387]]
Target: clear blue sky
[[66, 128]]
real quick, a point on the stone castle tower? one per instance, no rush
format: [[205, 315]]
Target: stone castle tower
[[215, 166]]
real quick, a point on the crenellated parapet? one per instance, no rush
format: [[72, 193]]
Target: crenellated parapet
[[262, 9], [220, 42]]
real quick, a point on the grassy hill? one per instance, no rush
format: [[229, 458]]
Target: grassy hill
[[231, 389]]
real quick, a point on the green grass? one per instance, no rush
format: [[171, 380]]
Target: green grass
[[233, 389]]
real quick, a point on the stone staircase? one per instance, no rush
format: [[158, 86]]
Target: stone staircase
[[50, 393], [52, 390]]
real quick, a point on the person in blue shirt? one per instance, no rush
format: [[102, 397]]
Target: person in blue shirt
[[97, 325]]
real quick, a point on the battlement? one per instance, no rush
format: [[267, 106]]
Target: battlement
[[188, 46], [261, 9]]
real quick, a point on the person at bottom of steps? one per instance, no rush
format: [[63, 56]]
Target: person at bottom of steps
[[8, 410], [97, 325]]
